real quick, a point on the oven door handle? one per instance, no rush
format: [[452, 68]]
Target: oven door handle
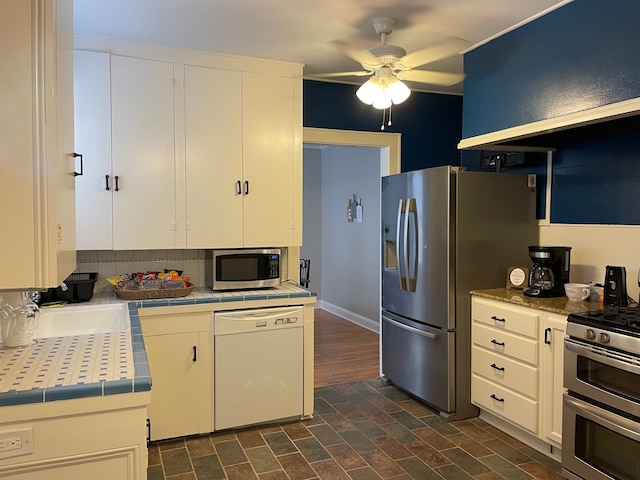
[[611, 358], [623, 426]]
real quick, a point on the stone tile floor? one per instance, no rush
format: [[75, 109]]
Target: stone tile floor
[[360, 431]]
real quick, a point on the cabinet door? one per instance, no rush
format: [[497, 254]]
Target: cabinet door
[[92, 110], [269, 153], [552, 359], [173, 410], [143, 154], [36, 134], [213, 136]]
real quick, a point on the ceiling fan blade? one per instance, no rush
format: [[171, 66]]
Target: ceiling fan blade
[[364, 57], [359, 73], [444, 49], [435, 78]]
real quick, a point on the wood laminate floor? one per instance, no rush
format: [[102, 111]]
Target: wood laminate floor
[[344, 352]]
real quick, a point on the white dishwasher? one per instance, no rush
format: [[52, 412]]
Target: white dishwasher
[[258, 365]]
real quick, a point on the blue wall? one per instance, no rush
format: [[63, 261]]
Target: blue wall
[[430, 124], [583, 55]]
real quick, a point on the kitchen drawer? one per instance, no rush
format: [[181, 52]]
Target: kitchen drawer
[[500, 401], [499, 341], [516, 375], [510, 318]]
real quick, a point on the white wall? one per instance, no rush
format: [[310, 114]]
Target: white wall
[[349, 255], [593, 247]]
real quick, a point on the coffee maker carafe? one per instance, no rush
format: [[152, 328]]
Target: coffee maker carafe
[[550, 271]]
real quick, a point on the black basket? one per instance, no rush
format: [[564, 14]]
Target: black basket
[[79, 289]]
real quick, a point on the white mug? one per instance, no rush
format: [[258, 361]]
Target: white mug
[[577, 292]]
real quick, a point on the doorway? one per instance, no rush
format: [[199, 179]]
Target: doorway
[[335, 274]]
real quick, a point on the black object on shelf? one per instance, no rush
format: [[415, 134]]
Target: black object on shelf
[[79, 289]]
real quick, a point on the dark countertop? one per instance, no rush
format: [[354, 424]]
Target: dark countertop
[[561, 305]]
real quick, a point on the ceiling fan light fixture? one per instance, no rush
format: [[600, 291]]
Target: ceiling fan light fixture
[[368, 91], [382, 92], [398, 90]]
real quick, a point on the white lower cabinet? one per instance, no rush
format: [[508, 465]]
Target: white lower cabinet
[[552, 363], [181, 362], [101, 438], [517, 366], [179, 341]]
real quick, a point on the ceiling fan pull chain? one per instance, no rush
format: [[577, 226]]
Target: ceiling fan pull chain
[[384, 111], [389, 122]]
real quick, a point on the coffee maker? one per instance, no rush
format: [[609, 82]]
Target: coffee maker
[[550, 271]]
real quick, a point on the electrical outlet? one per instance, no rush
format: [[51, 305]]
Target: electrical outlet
[[14, 443]]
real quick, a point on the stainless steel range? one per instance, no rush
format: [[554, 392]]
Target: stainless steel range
[[601, 409]]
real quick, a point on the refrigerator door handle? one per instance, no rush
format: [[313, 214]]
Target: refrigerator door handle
[[431, 336], [401, 210], [412, 277], [405, 240]]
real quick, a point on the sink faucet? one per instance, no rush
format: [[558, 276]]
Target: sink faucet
[[63, 286]]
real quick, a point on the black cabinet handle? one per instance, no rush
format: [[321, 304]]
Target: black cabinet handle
[[547, 331], [493, 365], [77, 174], [117, 189], [495, 342], [497, 319], [106, 180], [246, 187], [497, 399], [238, 188], [148, 429], [195, 353]]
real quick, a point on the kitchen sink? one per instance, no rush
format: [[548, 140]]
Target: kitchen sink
[[81, 320]]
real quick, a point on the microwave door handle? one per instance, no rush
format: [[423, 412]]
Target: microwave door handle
[[401, 209], [621, 425]]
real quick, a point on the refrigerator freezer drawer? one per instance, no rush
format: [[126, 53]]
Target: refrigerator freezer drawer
[[420, 361]]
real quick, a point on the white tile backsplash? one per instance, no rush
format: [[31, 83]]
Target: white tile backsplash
[[110, 263]]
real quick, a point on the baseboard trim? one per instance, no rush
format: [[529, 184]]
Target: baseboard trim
[[350, 316]]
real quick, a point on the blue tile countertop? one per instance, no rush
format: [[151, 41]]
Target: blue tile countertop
[[81, 366]]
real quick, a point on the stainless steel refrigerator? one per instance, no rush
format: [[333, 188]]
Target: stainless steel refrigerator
[[446, 231]]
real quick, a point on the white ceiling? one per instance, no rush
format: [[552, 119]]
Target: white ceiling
[[300, 30]]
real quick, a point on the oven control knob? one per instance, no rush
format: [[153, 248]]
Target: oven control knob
[[604, 338], [590, 334]]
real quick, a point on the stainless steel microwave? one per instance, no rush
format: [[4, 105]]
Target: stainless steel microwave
[[242, 269]]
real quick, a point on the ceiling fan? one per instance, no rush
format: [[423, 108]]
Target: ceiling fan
[[388, 64]]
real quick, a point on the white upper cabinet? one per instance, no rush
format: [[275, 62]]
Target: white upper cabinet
[[197, 150], [213, 137], [36, 134], [269, 161], [143, 154], [92, 106], [125, 124]]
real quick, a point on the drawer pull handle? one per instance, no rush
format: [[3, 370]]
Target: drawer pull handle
[[495, 342], [497, 399], [493, 365], [498, 319]]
